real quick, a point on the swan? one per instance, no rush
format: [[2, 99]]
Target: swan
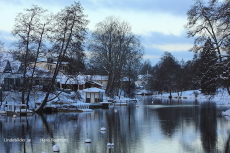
[[102, 129], [110, 144], [87, 140], [56, 148]]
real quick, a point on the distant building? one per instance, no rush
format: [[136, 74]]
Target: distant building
[[71, 82], [49, 64], [142, 81], [10, 77], [78, 82], [102, 79], [11, 73], [93, 95]]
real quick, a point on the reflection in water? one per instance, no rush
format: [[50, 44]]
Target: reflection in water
[[158, 125], [208, 126]]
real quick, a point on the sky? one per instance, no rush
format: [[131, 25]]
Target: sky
[[159, 23]]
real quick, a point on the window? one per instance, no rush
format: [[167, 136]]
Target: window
[[64, 68], [36, 82], [49, 66]]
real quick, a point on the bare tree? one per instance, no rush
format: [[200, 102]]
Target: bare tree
[[113, 46], [208, 21], [69, 29], [211, 21], [29, 29], [1, 46]]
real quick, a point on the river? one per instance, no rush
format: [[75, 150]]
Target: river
[[149, 126]]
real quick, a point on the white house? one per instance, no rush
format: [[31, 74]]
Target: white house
[[93, 95]]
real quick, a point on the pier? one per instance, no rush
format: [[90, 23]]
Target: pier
[[16, 109]]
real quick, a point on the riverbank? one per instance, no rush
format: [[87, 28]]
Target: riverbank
[[221, 96]]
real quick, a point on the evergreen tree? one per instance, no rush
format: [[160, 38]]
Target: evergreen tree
[[166, 74], [208, 68]]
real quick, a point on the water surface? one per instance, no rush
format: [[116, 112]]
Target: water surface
[[155, 126]]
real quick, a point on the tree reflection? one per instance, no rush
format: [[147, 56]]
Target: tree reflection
[[170, 118], [208, 126]]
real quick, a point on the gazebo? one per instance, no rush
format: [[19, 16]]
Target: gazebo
[[93, 95]]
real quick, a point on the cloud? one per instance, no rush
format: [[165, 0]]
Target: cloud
[[164, 16], [176, 7], [156, 43], [143, 22], [159, 23], [152, 57], [164, 42], [173, 47], [6, 38]]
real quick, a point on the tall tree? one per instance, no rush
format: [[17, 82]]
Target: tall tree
[[146, 67], [202, 23], [1, 46], [113, 47], [69, 30], [208, 69], [211, 20], [29, 29], [165, 75]]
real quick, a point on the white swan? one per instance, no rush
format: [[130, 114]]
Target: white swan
[[87, 140], [110, 144], [56, 148], [102, 129]]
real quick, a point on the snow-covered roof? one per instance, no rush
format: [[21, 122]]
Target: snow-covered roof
[[99, 77], [94, 82], [2, 66], [70, 79], [140, 77], [6, 56], [125, 79], [39, 72], [94, 89], [42, 59], [15, 65]]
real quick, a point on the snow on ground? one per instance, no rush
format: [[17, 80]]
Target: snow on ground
[[64, 99], [72, 99], [226, 113], [221, 97]]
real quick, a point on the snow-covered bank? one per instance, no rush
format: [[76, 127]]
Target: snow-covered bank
[[64, 99], [221, 96]]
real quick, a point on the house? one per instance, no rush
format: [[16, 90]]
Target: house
[[78, 82], [101, 79], [49, 64], [91, 84], [71, 82], [41, 77], [11, 73], [93, 95], [142, 81]]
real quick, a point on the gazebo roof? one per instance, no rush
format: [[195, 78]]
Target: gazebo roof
[[93, 90]]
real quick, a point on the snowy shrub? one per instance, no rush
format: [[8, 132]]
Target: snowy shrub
[[195, 94]]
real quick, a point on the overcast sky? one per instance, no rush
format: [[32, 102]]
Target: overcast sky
[[159, 23]]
